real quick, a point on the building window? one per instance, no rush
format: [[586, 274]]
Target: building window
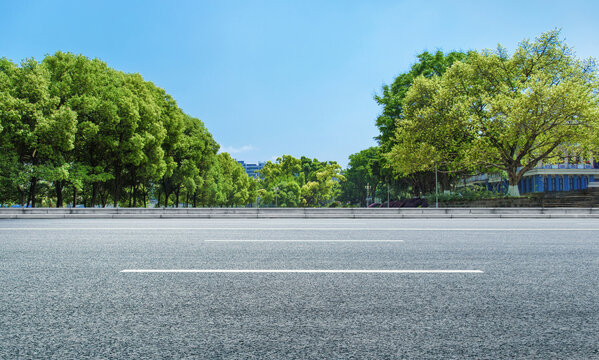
[[561, 183], [570, 182]]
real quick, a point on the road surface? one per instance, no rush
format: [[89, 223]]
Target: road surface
[[296, 288]]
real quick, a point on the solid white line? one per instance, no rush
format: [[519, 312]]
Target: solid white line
[[301, 240], [301, 271], [286, 229]]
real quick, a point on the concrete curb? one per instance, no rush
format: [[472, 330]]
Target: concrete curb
[[296, 213]]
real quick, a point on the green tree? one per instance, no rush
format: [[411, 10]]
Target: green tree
[[40, 127], [12, 189], [361, 171], [285, 191], [299, 182], [500, 112], [73, 126], [429, 65], [322, 185], [238, 182], [228, 183], [391, 99]]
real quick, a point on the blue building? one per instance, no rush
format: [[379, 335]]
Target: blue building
[[544, 178], [251, 169]]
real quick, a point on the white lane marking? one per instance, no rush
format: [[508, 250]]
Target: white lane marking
[[301, 271], [301, 240], [286, 229]]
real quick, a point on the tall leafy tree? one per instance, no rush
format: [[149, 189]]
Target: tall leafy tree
[[501, 112], [76, 81], [361, 172], [235, 184], [322, 185], [73, 123], [391, 99], [43, 128], [303, 182], [13, 176]]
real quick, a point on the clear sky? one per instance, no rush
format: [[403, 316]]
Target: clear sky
[[282, 77]]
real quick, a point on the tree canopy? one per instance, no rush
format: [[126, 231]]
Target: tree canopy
[[73, 125], [497, 111], [391, 99], [295, 182], [361, 171]]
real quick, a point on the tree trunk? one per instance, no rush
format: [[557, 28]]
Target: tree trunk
[[135, 195], [21, 196], [32, 192], [144, 192], [177, 196], [74, 196], [59, 200], [103, 196], [166, 195], [130, 195], [445, 184], [513, 180], [194, 199], [94, 193], [513, 190], [372, 194], [117, 188]]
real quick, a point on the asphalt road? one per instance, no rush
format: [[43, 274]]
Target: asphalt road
[[64, 295]]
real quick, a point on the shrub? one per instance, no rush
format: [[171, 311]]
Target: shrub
[[474, 192]]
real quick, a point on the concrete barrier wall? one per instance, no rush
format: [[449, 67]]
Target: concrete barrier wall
[[306, 213]]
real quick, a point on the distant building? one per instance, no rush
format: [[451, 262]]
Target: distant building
[[545, 178], [251, 169]]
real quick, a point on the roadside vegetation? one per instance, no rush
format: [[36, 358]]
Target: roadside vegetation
[[74, 132], [466, 113], [469, 193], [292, 182]]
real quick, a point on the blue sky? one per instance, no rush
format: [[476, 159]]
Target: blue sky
[[282, 77]]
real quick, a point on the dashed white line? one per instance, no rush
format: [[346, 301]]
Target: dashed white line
[[300, 240], [327, 271]]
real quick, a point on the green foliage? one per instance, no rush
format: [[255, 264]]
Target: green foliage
[[393, 113], [428, 65], [292, 182], [361, 171], [468, 193], [71, 125], [497, 112], [365, 168], [234, 185]]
